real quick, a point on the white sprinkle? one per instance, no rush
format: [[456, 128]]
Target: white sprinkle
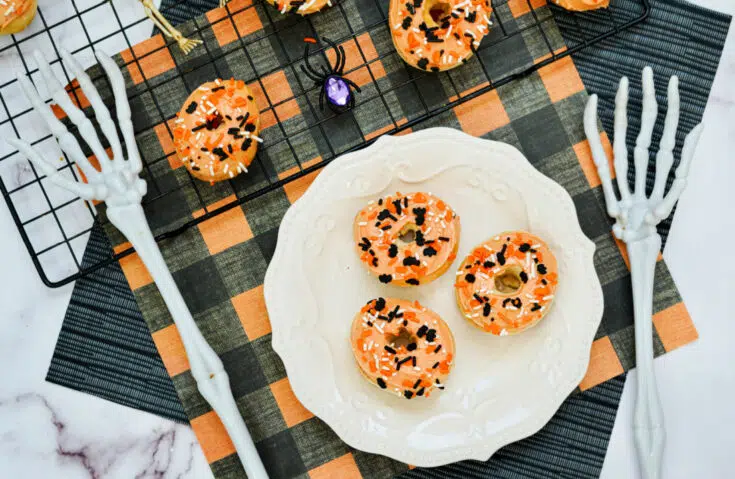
[[240, 165], [211, 170], [449, 31], [227, 167], [257, 138], [546, 298], [362, 223], [536, 246], [396, 26], [504, 332], [379, 327]]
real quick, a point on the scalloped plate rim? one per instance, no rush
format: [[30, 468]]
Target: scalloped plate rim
[[545, 410]]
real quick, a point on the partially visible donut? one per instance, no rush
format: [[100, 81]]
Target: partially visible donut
[[438, 35], [301, 7], [407, 240], [16, 15], [402, 347], [507, 284], [582, 5], [216, 131]]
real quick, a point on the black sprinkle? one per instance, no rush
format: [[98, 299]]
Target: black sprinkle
[[470, 278], [471, 17], [192, 107], [364, 244], [443, 238], [246, 144], [438, 348], [386, 227], [385, 278], [423, 63], [397, 204], [541, 269], [419, 238], [431, 335], [389, 349], [420, 392], [486, 310], [411, 261], [535, 307], [524, 276], [412, 281], [544, 282], [436, 365], [435, 69], [416, 384], [413, 360], [233, 131], [422, 331], [410, 8], [429, 251], [380, 304], [400, 363], [420, 215], [199, 127], [393, 251], [250, 127], [524, 248], [408, 394], [250, 98], [477, 297], [411, 346], [501, 255], [220, 152], [516, 302], [407, 23], [381, 383]]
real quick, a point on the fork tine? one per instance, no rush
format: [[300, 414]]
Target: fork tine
[[124, 117], [59, 95], [67, 142], [100, 109], [643, 142], [620, 148], [83, 190], [665, 155], [600, 157]]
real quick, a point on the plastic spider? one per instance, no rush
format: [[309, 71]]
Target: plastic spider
[[336, 88]]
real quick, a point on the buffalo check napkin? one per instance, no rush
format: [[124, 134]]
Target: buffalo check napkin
[[219, 265]]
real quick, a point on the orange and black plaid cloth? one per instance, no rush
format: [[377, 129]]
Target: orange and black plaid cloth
[[219, 265]]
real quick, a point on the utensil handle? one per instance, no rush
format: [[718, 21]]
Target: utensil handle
[[648, 417], [206, 367]]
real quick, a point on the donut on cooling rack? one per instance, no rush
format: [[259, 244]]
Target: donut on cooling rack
[[402, 347], [582, 5], [438, 35], [507, 284], [301, 7], [216, 131], [407, 240], [16, 15]]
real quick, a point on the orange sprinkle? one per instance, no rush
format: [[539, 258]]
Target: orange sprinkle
[[310, 40]]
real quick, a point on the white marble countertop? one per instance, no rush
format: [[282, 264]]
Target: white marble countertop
[[51, 431]]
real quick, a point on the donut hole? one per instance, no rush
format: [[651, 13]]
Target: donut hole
[[435, 11], [402, 339], [509, 280], [408, 233]]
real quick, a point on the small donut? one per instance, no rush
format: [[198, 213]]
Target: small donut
[[216, 131], [16, 15], [438, 35], [301, 7], [582, 5], [507, 284], [407, 240], [402, 347]]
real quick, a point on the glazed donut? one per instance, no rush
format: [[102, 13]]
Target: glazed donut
[[407, 239], [216, 131], [16, 15], [402, 347], [302, 7], [582, 5], [438, 35], [507, 284]]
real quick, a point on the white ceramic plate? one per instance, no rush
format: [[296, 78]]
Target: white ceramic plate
[[502, 389]]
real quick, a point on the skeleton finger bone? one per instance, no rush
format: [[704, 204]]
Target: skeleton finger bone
[[643, 142], [599, 156], [665, 155]]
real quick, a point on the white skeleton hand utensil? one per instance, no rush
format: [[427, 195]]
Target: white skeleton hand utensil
[[117, 184], [636, 218]]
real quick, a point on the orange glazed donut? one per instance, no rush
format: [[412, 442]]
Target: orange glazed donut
[[582, 5], [216, 131], [407, 239], [438, 35], [302, 7], [402, 347], [507, 284], [16, 15]]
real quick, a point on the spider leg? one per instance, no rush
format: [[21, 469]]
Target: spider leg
[[315, 77], [338, 56], [308, 65], [321, 99], [341, 67], [352, 84]]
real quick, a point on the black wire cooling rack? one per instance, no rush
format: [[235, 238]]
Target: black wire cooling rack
[[67, 234]]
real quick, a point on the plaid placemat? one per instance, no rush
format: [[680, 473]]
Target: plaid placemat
[[553, 96]]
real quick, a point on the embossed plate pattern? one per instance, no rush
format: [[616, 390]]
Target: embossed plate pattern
[[502, 388]]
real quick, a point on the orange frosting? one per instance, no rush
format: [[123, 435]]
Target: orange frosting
[[216, 131], [402, 347], [582, 5], [302, 7], [407, 239], [507, 284], [438, 35]]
